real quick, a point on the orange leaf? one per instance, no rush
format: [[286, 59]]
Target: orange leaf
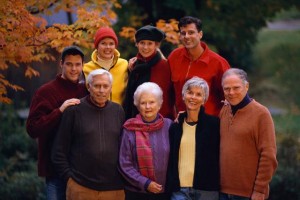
[[30, 72]]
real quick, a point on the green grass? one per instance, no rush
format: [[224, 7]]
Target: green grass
[[276, 69], [292, 13], [276, 78], [287, 124], [276, 49]]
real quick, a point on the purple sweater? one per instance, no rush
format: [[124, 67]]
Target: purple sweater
[[128, 158]]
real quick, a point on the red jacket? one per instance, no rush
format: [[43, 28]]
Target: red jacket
[[161, 75], [210, 66]]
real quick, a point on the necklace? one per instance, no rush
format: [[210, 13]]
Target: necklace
[[191, 120], [192, 123]]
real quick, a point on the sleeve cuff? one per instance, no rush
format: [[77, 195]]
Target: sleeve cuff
[[147, 184]]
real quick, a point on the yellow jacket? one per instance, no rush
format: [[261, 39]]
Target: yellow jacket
[[119, 73]]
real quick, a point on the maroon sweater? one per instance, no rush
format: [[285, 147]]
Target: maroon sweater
[[44, 117]]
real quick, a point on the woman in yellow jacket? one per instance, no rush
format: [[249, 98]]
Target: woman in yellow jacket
[[107, 57]]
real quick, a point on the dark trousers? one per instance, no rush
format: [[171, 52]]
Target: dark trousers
[[129, 195], [224, 196]]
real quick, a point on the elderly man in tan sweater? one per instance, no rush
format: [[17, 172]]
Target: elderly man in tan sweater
[[247, 144]]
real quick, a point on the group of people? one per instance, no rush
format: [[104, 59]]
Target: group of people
[[181, 128]]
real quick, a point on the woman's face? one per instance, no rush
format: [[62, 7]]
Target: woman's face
[[106, 48], [147, 47], [194, 98], [148, 106]]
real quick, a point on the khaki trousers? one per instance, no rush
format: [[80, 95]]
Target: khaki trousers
[[78, 192]]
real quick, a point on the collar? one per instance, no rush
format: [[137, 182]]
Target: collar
[[157, 116], [203, 57], [90, 101], [106, 64], [66, 82], [241, 105], [115, 59]]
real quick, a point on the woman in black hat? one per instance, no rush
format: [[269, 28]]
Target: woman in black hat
[[150, 66]]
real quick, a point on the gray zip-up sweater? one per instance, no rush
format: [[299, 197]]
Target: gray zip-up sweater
[[86, 146]]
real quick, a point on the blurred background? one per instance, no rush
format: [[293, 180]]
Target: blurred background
[[261, 37]]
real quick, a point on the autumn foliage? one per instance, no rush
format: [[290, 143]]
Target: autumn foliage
[[25, 36]]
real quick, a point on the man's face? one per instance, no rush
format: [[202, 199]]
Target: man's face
[[235, 89], [189, 36], [100, 89], [72, 67]]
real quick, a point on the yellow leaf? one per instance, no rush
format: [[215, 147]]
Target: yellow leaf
[[30, 72]]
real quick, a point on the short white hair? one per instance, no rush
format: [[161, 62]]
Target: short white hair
[[235, 71], [148, 87], [196, 82], [99, 72]]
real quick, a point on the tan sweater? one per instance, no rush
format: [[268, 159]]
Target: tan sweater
[[247, 150], [186, 163]]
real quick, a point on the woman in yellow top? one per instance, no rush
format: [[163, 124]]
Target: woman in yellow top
[[193, 169], [107, 57]]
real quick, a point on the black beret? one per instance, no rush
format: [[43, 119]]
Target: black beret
[[149, 33]]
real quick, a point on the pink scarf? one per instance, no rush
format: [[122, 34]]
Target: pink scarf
[[143, 146]]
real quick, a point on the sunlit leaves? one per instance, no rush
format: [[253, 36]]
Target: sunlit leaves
[[30, 72], [25, 36], [170, 28], [4, 84], [128, 32]]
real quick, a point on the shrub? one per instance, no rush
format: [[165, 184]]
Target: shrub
[[285, 184], [18, 173]]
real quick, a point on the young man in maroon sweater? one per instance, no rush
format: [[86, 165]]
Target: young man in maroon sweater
[[47, 106]]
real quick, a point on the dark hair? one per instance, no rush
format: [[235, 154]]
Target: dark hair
[[71, 50], [184, 21]]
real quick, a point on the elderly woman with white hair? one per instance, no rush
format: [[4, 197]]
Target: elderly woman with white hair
[[193, 171], [144, 149]]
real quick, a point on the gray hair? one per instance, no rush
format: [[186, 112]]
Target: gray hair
[[99, 72], [196, 82], [236, 71], [148, 87]]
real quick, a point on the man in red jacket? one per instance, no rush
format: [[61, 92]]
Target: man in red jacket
[[196, 59], [47, 106]]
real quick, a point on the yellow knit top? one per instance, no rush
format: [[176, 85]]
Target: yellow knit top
[[186, 165]]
